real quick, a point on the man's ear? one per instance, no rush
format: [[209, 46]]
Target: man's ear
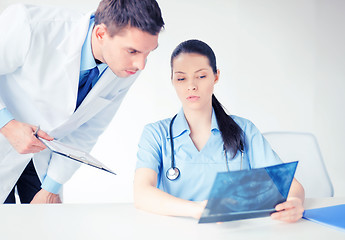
[[99, 34], [100, 31]]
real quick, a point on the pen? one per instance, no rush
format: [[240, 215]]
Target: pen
[[36, 132]]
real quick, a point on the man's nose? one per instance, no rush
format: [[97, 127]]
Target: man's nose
[[140, 63]]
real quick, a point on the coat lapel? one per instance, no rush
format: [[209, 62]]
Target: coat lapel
[[96, 100]]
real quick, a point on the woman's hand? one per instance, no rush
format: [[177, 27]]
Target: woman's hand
[[289, 211], [149, 198], [199, 208]]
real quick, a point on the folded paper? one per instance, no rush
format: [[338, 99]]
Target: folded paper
[[332, 216]]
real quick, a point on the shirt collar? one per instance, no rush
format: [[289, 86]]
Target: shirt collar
[[214, 123], [87, 60], [181, 126]]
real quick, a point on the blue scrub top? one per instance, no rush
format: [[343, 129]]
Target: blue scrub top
[[198, 169]]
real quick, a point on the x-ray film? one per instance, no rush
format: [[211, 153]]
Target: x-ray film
[[248, 193]]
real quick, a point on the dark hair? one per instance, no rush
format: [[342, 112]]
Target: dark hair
[[118, 14], [232, 134]]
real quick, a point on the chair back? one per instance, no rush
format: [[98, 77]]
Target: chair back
[[311, 171]]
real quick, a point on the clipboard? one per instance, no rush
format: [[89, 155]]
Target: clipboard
[[248, 193], [74, 154]]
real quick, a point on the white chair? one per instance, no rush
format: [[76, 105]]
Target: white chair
[[311, 171]]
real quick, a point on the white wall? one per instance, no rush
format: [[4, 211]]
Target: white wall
[[282, 66]]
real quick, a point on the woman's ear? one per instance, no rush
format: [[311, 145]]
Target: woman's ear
[[217, 76]]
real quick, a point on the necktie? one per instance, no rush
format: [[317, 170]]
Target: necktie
[[85, 84]]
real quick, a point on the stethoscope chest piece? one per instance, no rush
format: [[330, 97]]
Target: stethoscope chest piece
[[173, 173]]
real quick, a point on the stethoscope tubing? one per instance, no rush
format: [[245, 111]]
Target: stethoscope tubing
[[173, 172]]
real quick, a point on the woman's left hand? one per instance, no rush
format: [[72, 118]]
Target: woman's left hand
[[289, 211]]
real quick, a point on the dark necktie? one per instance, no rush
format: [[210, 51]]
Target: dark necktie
[[85, 84]]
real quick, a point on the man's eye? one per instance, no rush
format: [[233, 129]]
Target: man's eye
[[132, 51], [203, 76], [180, 79]]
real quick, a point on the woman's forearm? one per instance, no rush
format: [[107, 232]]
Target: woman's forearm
[[154, 200], [297, 190], [149, 198]]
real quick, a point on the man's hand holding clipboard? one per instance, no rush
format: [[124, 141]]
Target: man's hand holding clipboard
[[73, 153]]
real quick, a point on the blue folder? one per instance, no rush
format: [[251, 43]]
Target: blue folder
[[333, 216], [248, 193]]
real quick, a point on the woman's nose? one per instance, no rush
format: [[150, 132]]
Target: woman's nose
[[192, 86]]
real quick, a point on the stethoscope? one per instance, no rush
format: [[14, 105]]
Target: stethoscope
[[173, 172]]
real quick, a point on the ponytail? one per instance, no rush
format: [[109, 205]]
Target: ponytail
[[232, 134]]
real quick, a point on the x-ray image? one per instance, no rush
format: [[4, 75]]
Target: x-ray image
[[248, 193]]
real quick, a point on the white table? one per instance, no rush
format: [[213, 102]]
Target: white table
[[123, 221]]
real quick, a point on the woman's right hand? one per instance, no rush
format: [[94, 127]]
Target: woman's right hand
[[149, 198], [199, 208]]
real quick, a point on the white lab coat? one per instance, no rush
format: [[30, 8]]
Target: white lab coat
[[40, 51]]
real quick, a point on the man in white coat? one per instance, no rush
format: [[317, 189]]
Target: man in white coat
[[68, 73]]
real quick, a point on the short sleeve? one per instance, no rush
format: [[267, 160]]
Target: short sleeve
[[150, 149], [257, 149]]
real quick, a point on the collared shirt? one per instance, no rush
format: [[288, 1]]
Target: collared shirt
[[198, 169], [87, 60]]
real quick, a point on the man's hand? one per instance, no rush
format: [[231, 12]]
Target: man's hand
[[289, 211], [21, 137], [44, 196]]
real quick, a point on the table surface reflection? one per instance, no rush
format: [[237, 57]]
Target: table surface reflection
[[123, 221]]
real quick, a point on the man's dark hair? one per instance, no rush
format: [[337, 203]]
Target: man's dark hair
[[118, 14]]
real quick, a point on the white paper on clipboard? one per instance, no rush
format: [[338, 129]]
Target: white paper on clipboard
[[74, 154]]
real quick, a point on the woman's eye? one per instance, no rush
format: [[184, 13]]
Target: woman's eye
[[132, 51], [180, 79], [202, 76]]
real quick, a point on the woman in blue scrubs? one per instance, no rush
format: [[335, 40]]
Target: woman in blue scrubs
[[206, 141]]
